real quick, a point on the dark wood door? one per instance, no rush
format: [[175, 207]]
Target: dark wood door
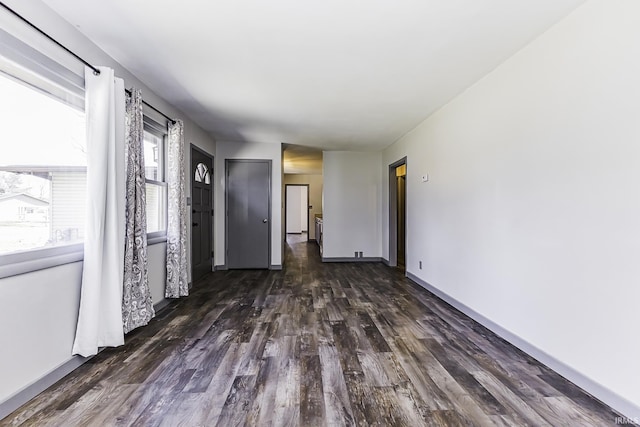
[[201, 213], [248, 223]]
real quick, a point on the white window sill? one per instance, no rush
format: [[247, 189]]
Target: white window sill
[[156, 237], [39, 259]]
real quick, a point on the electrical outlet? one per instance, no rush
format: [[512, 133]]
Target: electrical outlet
[[420, 265]]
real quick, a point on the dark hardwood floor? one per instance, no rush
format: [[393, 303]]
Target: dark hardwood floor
[[315, 344]]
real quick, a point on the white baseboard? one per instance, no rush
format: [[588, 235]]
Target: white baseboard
[[614, 400]]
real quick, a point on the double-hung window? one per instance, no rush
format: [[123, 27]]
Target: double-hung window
[[156, 188]]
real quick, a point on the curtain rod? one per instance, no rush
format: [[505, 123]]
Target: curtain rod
[[96, 71], [173, 122]]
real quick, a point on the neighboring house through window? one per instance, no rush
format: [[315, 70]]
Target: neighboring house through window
[[42, 168]]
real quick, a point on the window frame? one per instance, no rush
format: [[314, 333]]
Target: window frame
[[154, 128], [22, 63]]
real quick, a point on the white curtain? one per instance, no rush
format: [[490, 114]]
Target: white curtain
[[177, 284], [100, 313], [137, 307]]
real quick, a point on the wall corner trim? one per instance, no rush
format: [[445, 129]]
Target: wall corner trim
[[597, 390]]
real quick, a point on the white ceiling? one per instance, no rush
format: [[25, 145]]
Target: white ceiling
[[330, 74]]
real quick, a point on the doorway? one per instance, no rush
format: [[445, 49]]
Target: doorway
[[248, 216], [296, 202], [398, 214], [201, 213]]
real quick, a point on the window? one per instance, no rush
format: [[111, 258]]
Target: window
[[42, 165], [202, 173], [154, 164], [43, 162]]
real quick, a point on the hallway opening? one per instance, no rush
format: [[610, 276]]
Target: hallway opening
[[296, 209], [397, 214]]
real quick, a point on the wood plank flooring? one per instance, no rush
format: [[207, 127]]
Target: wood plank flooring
[[312, 345]]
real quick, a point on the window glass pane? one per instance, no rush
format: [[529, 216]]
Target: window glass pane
[[152, 156], [202, 173], [42, 169], [207, 176], [155, 207]]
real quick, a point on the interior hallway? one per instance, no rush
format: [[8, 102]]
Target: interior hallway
[[314, 344]]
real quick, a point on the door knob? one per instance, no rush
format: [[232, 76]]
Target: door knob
[[195, 224], [265, 220]]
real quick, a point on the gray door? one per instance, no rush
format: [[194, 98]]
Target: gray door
[[201, 213], [248, 201]]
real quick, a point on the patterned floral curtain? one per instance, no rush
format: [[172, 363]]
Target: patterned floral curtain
[[177, 284], [137, 307]]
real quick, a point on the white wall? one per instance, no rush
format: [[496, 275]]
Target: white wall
[[157, 270], [44, 304], [249, 150], [293, 201], [352, 204], [531, 216], [315, 196], [38, 321]]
